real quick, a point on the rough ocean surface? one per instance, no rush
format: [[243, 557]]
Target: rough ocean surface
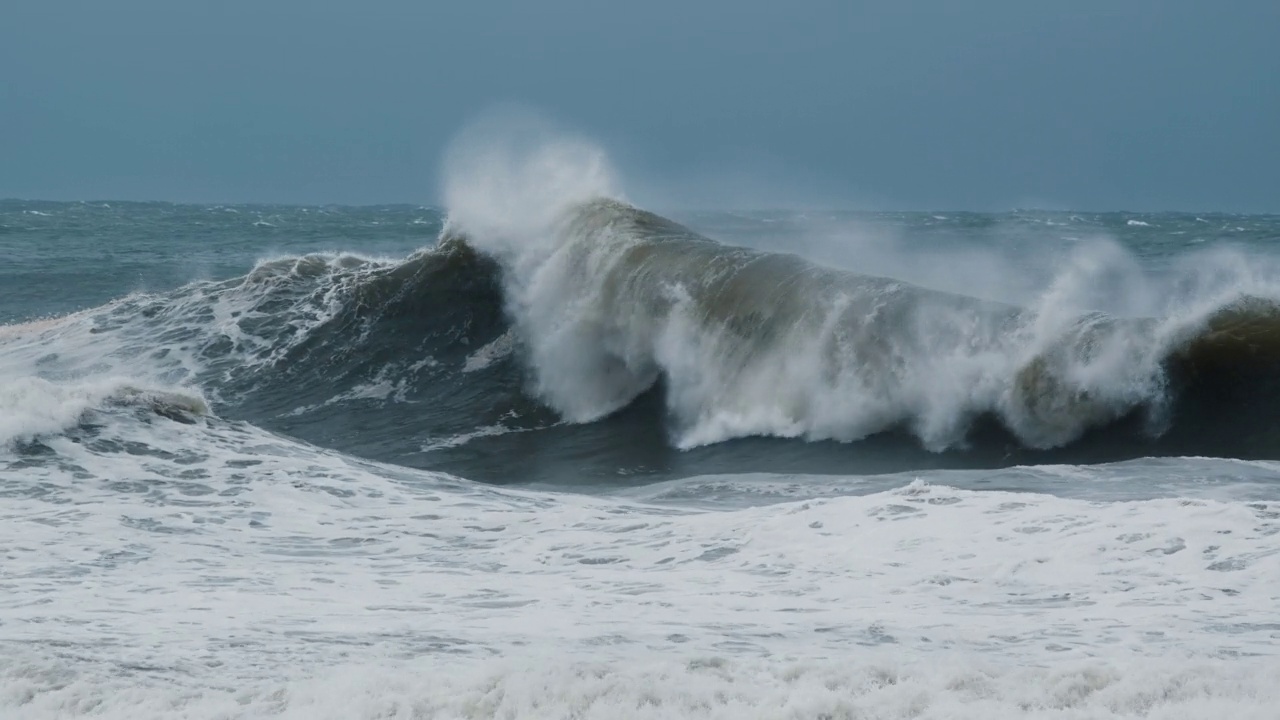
[[546, 454]]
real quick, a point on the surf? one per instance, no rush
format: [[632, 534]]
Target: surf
[[552, 316]]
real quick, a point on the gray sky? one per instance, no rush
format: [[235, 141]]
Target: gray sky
[[986, 104]]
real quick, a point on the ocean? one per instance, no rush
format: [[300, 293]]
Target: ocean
[[567, 458]]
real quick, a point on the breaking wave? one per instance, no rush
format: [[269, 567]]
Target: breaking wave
[[753, 343], [559, 323]]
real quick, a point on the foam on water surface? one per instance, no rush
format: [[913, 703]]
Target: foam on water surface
[[207, 508], [215, 570], [877, 685]]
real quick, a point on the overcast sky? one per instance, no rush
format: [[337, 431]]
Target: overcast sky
[[985, 104]]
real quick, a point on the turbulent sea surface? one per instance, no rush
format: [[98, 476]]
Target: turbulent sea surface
[[572, 459]]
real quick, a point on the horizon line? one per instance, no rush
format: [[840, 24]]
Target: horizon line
[[727, 208]]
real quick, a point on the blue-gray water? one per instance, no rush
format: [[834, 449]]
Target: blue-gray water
[[350, 462]]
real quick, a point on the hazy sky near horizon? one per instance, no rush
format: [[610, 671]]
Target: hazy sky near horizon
[[989, 104]]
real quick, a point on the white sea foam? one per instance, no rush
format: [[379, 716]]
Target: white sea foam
[[271, 541], [876, 685], [215, 556], [463, 438], [31, 407], [35, 402], [491, 352]]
